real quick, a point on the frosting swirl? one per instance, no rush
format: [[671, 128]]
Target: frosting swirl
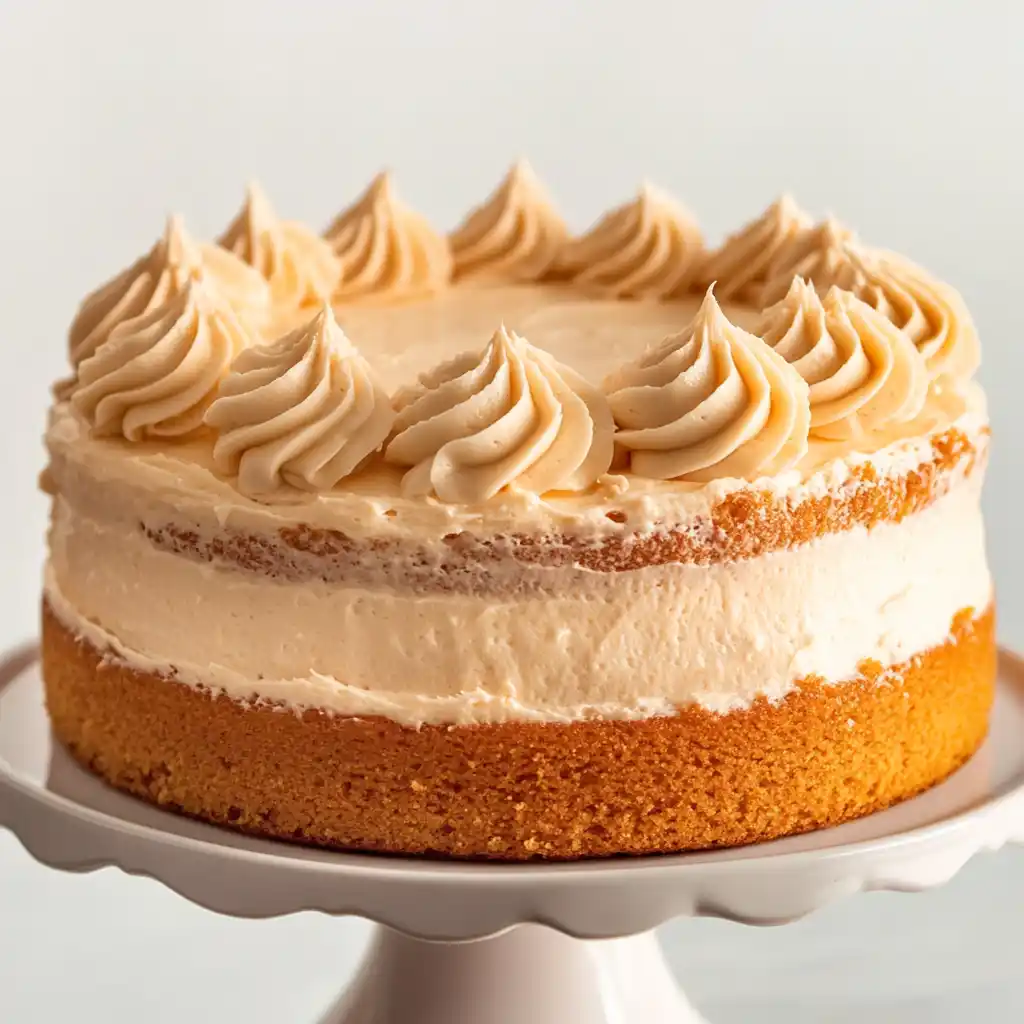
[[157, 276], [933, 314], [155, 375], [303, 411], [863, 373], [387, 249], [821, 254], [648, 248], [712, 401], [738, 267], [517, 234], [299, 266], [509, 417]]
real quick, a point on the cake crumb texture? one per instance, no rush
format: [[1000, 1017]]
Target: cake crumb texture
[[520, 791]]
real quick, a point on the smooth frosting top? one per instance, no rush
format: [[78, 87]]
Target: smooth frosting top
[[155, 375], [298, 264], [516, 235], [711, 401], [387, 250], [157, 276], [649, 248], [509, 417], [863, 372], [301, 412], [517, 425], [738, 268]]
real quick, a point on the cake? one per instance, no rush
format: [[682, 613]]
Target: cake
[[516, 542]]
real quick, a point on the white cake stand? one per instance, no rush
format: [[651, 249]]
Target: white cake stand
[[461, 943]]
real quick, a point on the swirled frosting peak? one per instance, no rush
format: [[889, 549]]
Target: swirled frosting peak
[[863, 372], [650, 248], [298, 264], [386, 249], [509, 417], [516, 235], [154, 278], [821, 254], [303, 412], [932, 313], [738, 267], [156, 374], [712, 401]]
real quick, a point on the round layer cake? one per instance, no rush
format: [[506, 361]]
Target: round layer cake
[[518, 544]]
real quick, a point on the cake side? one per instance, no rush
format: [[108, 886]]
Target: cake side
[[522, 790], [493, 639]]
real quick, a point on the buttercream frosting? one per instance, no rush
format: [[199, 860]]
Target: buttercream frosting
[[515, 235], [242, 286], [711, 401], [386, 249], [649, 248], [155, 374], [863, 372], [738, 267], [933, 314], [300, 412], [299, 266], [623, 645], [509, 417], [820, 254], [153, 279], [182, 484]]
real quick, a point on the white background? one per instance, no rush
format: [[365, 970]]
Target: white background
[[903, 118]]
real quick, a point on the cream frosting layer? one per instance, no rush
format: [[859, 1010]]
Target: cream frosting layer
[[181, 484], [583, 645]]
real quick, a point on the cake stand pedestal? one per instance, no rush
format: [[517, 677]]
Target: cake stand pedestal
[[472, 943]]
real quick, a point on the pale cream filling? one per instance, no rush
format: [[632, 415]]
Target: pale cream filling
[[623, 645]]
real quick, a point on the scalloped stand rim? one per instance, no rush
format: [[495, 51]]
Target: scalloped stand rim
[[463, 941]]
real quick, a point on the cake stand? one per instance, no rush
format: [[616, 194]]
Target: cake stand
[[472, 943]]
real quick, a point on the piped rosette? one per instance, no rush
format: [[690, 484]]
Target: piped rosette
[[712, 401], [387, 250], [299, 413], [509, 417], [158, 276], [820, 254], [930, 312], [298, 265], [650, 248], [155, 375], [863, 373], [738, 268], [515, 235]]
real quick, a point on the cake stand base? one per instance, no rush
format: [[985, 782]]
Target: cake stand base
[[484, 943], [528, 975]]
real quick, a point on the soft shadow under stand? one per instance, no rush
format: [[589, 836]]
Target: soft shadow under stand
[[505, 944]]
